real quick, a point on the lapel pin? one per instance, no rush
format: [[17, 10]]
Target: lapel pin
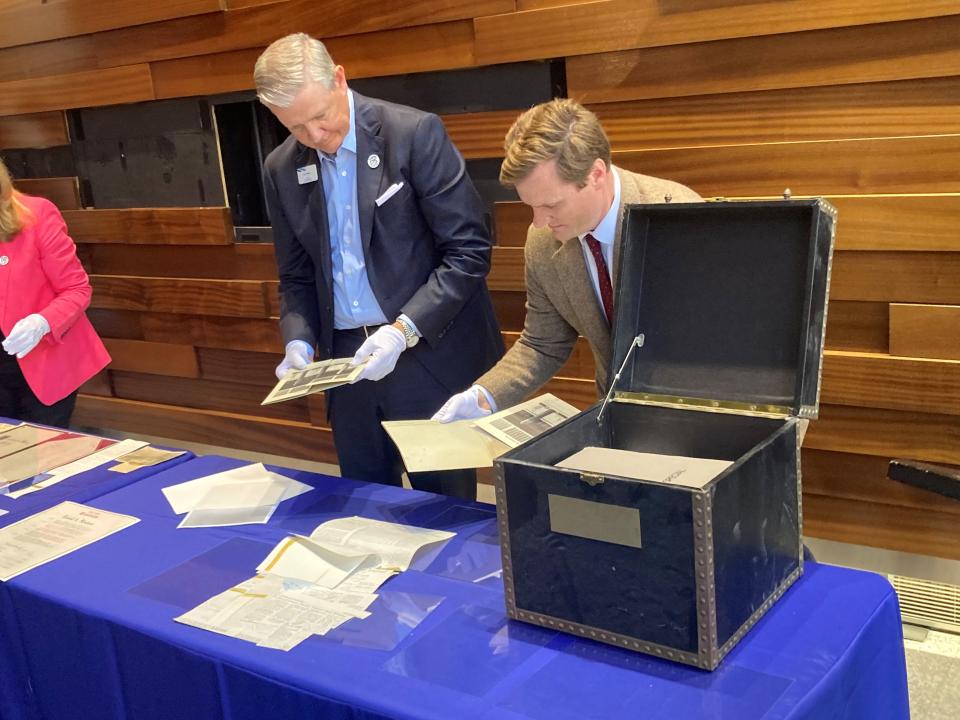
[[373, 162], [4, 260]]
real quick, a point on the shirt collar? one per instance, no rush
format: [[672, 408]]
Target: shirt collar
[[607, 227], [350, 139]]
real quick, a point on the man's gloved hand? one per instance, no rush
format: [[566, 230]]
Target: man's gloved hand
[[470, 404], [26, 334], [299, 355], [383, 348]]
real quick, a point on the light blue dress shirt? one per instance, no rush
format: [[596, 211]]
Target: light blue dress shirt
[[605, 235], [354, 303]]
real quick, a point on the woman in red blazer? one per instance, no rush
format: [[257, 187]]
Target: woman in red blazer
[[49, 346]]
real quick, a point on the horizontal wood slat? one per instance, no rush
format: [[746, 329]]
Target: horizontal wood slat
[[511, 220], [860, 326], [921, 223], [152, 226], [480, 135], [218, 395], [623, 24], [64, 192], [39, 130], [231, 298], [261, 335], [387, 52], [862, 478], [259, 26], [510, 308], [99, 384], [928, 331], [123, 324], [233, 262], [871, 110], [862, 54], [897, 277], [245, 432], [808, 168], [895, 383], [860, 522], [89, 88], [237, 366], [153, 358], [886, 433], [924, 223], [506, 269], [22, 25]]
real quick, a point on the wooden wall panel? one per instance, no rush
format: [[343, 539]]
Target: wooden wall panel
[[259, 335], [64, 192], [885, 381], [259, 26], [886, 433], [829, 474], [387, 52], [897, 277], [237, 262], [22, 25], [152, 226], [40, 130], [238, 366], [860, 326], [236, 298], [226, 396], [898, 222], [928, 331], [91, 88], [862, 54], [153, 358], [810, 168], [506, 269], [623, 24], [268, 435], [922, 223], [510, 308], [99, 384], [871, 110], [123, 324], [480, 135]]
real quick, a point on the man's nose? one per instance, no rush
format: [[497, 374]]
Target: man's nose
[[540, 218]]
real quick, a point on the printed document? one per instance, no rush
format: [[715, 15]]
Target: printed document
[[54, 533], [520, 423], [301, 558], [395, 544], [666, 469], [145, 456], [315, 377]]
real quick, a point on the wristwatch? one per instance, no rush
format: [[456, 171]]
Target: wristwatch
[[409, 334]]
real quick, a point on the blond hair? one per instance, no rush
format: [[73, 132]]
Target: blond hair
[[288, 64], [561, 130], [13, 213]]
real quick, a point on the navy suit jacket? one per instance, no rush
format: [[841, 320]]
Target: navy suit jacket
[[426, 249]]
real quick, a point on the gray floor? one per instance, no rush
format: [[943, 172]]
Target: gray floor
[[933, 663]]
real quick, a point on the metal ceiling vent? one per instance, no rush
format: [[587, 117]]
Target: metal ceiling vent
[[927, 603]]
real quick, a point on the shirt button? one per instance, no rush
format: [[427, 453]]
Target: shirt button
[[356, 303], [348, 207], [343, 173]]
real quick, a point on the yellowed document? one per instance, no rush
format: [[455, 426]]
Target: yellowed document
[[315, 377], [427, 445], [143, 457], [520, 423], [53, 533]]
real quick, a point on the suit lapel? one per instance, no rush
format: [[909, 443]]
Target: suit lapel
[[369, 146], [313, 198]]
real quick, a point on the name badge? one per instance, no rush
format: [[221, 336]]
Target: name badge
[[307, 174]]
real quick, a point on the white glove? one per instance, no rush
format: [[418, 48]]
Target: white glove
[[383, 348], [463, 406], [26, 334], [299, 355]]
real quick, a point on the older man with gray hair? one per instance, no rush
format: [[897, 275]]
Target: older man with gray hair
[[382, 252]]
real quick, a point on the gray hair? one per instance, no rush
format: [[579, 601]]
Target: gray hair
[[290, 63]]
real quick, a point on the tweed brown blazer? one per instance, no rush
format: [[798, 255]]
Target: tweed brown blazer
[[562, 304]]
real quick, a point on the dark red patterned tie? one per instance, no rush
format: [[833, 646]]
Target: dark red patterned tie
[[603, 276]]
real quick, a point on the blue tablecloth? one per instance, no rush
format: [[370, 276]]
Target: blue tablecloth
[[100, 640]]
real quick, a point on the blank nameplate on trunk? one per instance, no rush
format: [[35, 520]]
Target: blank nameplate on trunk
[[595, 521]]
